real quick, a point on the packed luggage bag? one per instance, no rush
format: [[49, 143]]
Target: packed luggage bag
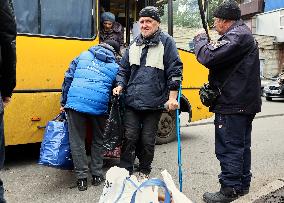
[[120, 187], [55, 147]]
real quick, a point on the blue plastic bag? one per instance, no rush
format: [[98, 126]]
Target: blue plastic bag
[[55, 147]]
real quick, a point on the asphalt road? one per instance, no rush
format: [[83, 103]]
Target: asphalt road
[[26, 181]]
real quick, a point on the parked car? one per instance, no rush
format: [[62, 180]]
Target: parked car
[[274, 89]]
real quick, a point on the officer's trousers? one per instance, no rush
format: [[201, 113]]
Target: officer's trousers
[[140, 131], [232, 148], [2, 200]]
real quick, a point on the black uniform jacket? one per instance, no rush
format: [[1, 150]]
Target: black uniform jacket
[[236, 49], [7, 49]]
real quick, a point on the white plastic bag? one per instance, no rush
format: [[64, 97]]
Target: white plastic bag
[[113, 184], [119, 188], [177, 196]]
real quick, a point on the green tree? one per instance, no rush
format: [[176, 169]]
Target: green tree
[[186, 12], [212, 5]]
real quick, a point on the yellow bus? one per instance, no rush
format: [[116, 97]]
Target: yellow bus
[[52, 32]]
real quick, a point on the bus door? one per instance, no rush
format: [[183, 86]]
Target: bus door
[[181, 19], [125, 11]]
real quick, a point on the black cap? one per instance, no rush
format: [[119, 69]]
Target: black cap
[[150, 11], [111, 45], [228, 10]]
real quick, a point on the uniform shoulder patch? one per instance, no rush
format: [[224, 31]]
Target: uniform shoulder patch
[[217, 44]]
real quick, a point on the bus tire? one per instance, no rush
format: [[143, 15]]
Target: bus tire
[[166, 128]]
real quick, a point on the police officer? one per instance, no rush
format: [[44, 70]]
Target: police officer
[[234, 57], [7, 70]]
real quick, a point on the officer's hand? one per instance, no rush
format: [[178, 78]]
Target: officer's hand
[[117, 90], [172, 104], [6, 101], [200, 32]]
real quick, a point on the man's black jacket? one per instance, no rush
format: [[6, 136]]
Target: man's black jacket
[[7, 49], [149, 69], [236, 49]]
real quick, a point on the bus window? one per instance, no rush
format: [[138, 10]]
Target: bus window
[[186, 21], [38, 17], [27, 16]]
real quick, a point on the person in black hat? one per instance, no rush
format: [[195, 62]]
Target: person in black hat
[[150, 74], [229, 10], [234, 70], [225, 15], [85, 96], [149, 21]]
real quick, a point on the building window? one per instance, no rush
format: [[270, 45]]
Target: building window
[[282, 19]]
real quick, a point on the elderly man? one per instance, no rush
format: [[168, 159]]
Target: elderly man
[[234, 58], [7, 71], [150, 75]]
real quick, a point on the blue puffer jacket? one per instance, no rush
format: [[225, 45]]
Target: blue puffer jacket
[[88, 81]]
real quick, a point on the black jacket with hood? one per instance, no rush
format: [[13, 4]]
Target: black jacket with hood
[[7, 49]]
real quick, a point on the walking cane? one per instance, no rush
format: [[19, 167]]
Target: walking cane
[[179, 142]]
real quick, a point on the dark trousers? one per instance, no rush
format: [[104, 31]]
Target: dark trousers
[[232, 148], [140, 131], [2, 151], [2, 200], [77, 124]]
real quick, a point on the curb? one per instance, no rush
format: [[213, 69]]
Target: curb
[[264, 191]]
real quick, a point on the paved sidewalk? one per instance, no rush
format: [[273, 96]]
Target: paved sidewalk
[[270, 193], [275, 197]]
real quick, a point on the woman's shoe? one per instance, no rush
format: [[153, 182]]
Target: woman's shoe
[[82, 184], [97, 180]]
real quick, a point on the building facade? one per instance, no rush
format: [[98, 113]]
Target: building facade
[[266, 20]]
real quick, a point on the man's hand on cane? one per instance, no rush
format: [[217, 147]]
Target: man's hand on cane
[[117, 90]]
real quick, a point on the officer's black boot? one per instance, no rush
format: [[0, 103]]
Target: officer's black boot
[[244, 191], [225, 195]]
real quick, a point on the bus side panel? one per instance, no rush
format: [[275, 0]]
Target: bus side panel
[[42, 61], [199, 111], [194, 76], [25, 113], [41, 64]]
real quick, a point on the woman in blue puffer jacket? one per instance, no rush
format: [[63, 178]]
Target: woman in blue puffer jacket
[[85, 96]]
